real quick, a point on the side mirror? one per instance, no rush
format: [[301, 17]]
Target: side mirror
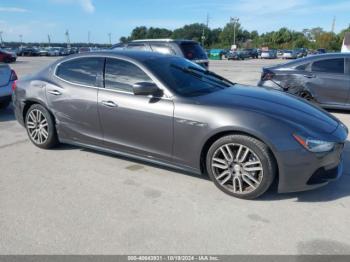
[[146, 89]]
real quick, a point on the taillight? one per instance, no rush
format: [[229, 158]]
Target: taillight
[[267, 76], [14, 85], [13, 76], [14, 79]]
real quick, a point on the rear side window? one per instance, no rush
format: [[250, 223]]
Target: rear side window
[[141, 47], [122, 75], [193, 51], [83, 71], [335, 66], [163, 49]]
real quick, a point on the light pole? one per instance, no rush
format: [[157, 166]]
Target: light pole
[[1, 40], [21, 39], [234, 21], [110, 38]]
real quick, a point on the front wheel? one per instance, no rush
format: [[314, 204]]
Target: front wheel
[[40, 127], [241, 166]]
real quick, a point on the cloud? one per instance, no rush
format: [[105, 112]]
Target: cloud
[[13, 9], [87, 5]]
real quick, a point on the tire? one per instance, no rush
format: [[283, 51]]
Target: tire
[[244, 179], [306, 95], [37, 120]]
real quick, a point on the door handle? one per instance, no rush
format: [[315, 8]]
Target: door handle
[[109, 103], [55, 92]]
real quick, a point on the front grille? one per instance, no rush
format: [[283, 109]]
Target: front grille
[[322, 175]]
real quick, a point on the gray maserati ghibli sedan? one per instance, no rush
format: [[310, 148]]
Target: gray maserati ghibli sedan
[[169, 111]]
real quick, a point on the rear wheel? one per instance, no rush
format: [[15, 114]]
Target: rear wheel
[[241, 166], [40, 127], [306, 95]]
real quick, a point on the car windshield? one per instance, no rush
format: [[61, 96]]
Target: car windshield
[[186, 78]]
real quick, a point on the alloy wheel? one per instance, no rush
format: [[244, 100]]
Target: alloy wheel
[[237, 168], [37, 126]]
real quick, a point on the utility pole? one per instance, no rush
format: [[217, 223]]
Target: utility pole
[[203, 33], [89, 36], [21, 39], [67, 38], [333, 24], [110, 38], [49, 39], [1, 40], [234, 21]]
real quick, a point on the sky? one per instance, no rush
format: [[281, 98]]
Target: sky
[[35, 19]]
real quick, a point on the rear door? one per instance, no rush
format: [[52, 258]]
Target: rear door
[[141, 125], [328, 81], [347, 72], [73, 99]]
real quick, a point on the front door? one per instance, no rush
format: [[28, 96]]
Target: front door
[[140, 125], [329, 82]]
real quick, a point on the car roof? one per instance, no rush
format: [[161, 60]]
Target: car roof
[[163, 40], [126, 54], [310, 59]]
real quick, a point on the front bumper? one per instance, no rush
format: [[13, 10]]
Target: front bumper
[[301, 170]]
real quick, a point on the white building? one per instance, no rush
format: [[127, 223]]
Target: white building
[[346, 44]]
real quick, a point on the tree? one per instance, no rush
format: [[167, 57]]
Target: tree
[[139, 33], [192, 32]]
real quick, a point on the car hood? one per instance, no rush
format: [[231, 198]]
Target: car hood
[[274, 103]]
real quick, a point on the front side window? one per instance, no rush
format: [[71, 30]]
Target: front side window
[[122, 75], [335, 66], [83, 71]]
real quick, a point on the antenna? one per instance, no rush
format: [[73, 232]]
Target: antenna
[[67, 38]]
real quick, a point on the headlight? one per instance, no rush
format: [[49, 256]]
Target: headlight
[[315, 145]]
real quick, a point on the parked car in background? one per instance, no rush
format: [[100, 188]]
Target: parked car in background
[[53, 51], [217, 54], [166, 110], [237, 55], [280, 53], [252, 52], [28, 51], [184, 48], [7, 57], [7, 82], [84, 50], [269, 54], [290, 54], [301, 52], [43, 52], [322, 79]]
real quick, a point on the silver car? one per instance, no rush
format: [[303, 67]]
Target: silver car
[[7, 82], [170, 111], [270, 54]]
